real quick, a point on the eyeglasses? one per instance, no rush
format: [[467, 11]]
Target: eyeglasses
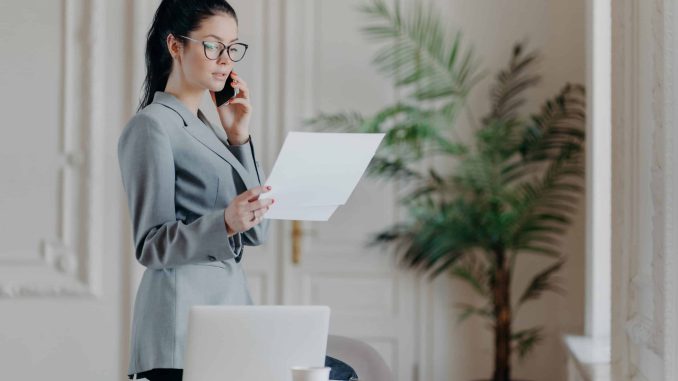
[[214, 49]]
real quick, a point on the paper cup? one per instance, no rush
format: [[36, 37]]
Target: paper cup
[[310, 373]]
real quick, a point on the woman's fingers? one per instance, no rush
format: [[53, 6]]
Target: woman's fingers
[[253, 193], [258, 204], [247, 209], [241, 85], [253, 217], [243, 101]]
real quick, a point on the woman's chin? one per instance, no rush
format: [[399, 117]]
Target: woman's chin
[[216, 85]]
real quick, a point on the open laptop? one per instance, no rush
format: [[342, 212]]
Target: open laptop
[[253, 342]]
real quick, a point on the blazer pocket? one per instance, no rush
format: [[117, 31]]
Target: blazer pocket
[[218, 264]]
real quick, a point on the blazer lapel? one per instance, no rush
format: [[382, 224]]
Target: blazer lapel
[[201, 130]]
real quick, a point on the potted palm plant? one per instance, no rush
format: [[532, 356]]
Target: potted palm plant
[[510, 189]]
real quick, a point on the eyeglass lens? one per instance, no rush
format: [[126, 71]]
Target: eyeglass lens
[[235, 51]]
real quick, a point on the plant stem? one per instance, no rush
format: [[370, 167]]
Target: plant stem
[[502, 318]]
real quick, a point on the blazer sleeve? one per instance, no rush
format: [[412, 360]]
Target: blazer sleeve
[[258, 234], [160, 240]]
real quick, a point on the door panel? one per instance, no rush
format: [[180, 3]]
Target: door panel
[[328, 70]]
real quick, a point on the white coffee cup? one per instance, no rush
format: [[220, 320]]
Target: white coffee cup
[[310, 373]]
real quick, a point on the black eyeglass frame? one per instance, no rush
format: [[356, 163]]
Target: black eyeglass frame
[[221, 51]]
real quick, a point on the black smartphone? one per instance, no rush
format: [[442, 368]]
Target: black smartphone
[[227, 92]]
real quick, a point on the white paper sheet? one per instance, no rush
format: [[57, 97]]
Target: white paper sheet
[[302, 213], [316, 172]]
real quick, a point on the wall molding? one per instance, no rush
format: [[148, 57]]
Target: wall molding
[[670, 57], [72, 262], [645, 296]]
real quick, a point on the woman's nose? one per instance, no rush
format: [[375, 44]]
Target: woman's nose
[[224, 58]]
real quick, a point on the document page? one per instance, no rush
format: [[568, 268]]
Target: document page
[[316, 172]]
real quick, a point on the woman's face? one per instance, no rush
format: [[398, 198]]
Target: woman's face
[[196, 69]]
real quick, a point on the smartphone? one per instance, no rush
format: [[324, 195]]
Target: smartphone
[[227, 92]]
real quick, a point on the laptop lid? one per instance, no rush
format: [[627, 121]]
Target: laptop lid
[[253, 342]]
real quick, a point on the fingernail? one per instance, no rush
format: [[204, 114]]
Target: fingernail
[[268, 187]]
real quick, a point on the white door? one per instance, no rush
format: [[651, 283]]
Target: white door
[[327, 68]]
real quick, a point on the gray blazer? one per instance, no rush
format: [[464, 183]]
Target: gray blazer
[[179, 176]]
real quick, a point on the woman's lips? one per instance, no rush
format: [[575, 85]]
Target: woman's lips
[[220, 76]]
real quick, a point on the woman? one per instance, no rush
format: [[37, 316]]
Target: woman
[[193, 198]]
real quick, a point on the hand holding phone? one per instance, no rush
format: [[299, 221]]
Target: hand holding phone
[[227, 92]]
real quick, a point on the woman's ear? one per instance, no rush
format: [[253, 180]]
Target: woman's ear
[[173, 46]]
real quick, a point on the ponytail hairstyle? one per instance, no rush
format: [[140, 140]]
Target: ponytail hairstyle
[[178, 17]]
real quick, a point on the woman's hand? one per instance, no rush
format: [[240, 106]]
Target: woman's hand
[[235, 114], [246, 210]]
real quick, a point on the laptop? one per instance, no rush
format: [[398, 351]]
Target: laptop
[[253, 342]]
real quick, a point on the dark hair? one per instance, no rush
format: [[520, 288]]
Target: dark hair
[[178, 17]]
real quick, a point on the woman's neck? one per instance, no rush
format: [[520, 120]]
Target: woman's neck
[[189, 96]]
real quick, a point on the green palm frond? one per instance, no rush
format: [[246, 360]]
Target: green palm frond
[[414, 131], [433, 186], [397, 234], [541, 215], [543, 206], [544, 281], [511, 83], [431, 250], [419, 52], [409, 139], [557, 129], [389, 113], [557, 126], [474, 272], [468, 310], [425, 245], [392, 169], [337, 122], [411, 133], [526, 340]]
